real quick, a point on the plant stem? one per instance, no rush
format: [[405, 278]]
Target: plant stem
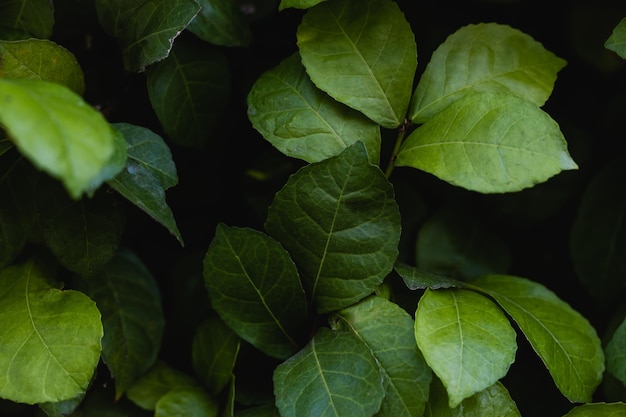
[[396, 148]]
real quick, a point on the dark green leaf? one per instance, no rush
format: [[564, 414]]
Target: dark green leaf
[[34, 17], [388, 331], [616, 353], [489, 142], [221, 22], [598, 410], [51, 338], [303, 122], [417, 279], [617, 40], [487, 57], [150, 171], [339, 221], [130, 302], [39, 59], [363, 54], [5, 144], [335, 375], [466, 339], [188, 91], [298, 4], [113, 14], [214, 352], [254, 286], [228, 409], [564, 340], [62, 408], [188, 403]]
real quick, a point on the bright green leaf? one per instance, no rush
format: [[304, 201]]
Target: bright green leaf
[[57, 131], [388, 331], [150, 171], [490, 143], [254, 286], [34, 17], [39, 59], [417, 279], [303, 122], [616, 353], [363, 54], [298, 4], [598, 410], [188, 91], [339, 221], [214, 352], [130, 302], [466, 339], [564, 340], [221, 22], [51, 338], [188, 403], [617, 40], [487, 57], [335, 375]]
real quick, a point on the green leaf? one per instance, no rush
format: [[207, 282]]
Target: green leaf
[[34, 17], [617, 40], [130, 302], [214, 353], [5, 144], [388, 331], [150, 171], [51, 338], [335, 375], [62, 408], [38, 59], [298, 4], [598, 410], [188, 403], [564, 340], [188, 90], [254, 286], [598, 247], [64, 136], [417, 279], [339, 221], [490, 143], [363, 54], [487, 57], [303, 122], [616, 353], [113, 14], [221, 22], [466, 340]]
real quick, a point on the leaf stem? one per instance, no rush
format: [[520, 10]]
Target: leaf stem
[[396, 148]]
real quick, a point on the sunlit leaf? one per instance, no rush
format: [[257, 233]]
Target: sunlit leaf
[[417, 279], [188, 403], [221, 22], [564, 340], [489, 142], [302, 121], [340, 223], [335, 375], [598, 410], [617, 40], [487, 57], [33, 17], [466, 339], [363, 54]]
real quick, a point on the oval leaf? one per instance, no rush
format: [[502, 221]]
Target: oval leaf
[[564, 340], [33, 17], [64, 136], [51, 338], [221, 22], [490, 143], [335, 375], [303, 122], [617, 40], [254, 286], [466, 340], [388, 331], [598, 410], [339, 221], [363, 54], [482, 58]]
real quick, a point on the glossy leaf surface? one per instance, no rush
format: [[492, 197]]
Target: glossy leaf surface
[[363, 54], [335, 375], [302, 121], [487, 57], [221, 22], [466, 339], [254, 286], [564, 340], [490, 143], [32, 17], [339, 221], [617, 40]]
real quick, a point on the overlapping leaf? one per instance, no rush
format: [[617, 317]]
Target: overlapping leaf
[[363, 54], [188, 403], [598, 410], [335, 375], [616, 353], [302, 121], [35, 18], [417, 279], [113, 14], [389, 333], [489, 142], [564, 340], [221, 22], [466, 339], [339, 221], [617, 40], [51, 338], [254, 286], [487, 57]]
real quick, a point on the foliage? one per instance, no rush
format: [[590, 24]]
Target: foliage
[[202, 218]]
